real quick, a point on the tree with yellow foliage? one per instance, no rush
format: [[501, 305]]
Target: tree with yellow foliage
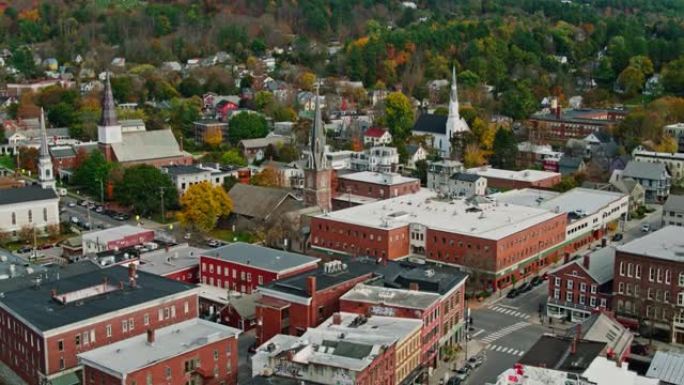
[[473, 156], [213, 138], [268, 177], [202, 205], [306, 81]]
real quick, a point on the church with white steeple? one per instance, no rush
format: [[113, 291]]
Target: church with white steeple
[[46, 175], [442, 128]]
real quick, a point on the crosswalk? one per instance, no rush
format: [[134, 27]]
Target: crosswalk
[[510, 312], [504, 332], [506, 350]]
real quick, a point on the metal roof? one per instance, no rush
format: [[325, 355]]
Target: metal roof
[[674, 203], [644, 170], [261, 257], [668, 367], [143, 145], [666, 243]]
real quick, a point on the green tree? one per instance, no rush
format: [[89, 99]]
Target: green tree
[[190, 86], [263, 100], [673, 76], [141, 188], [92, 171], [22, 60], [398, 115], [183, 113], [246, 126], [518, 101], [505, 149], [234, 157], [631, 80]]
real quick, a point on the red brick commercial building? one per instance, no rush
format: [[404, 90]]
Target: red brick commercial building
[[435, 295], [191, 352], [242, 267], [234, 309], [508, 179], [649, 277], [115, 238], [44, 327], [558, 125], [501, 241], [582, 287], [180, 262], [376, 185]]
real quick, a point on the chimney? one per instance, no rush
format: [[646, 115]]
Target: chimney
[[150, 336], [585, 261], [131, 274], [337, 319], [413, 286], [311, 285]]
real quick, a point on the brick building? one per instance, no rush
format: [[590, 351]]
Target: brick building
[[242, 267], [377, 185], [180, 262], [582, 287], [44, 327], [230, 308], [190, 352], [558, 125], [346, 349], [649, 276], [508, 179], [115, 238], [501, 241]]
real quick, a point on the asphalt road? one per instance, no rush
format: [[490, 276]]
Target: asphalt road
[[244, 358]]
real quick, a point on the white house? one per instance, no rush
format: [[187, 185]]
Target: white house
[[463, 184], [185, 176], [376, 136], [416, 152], [29, 206]]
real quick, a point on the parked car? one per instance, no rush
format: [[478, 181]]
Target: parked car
[[462, 373], [474, 362], [536, 281], [99, 209], [646, 227], [454, 381], [24, 250], [525, 287], [71, 204], [617, 237], [513, 293], [545, 277], [74, 220]]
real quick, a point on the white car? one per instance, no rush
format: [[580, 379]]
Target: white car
[[71, 204], [646, 227], [74, 220]]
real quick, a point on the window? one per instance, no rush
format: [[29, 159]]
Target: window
[[45, 214], [86, 338], [582, 299], [131, 323], [630, 269], [14, 218], [78, 340], [593, 289], [568, 297], [167, 372], [570, 284], [211, 268], [666, 296], [556, 294], [108, 330], [190, 365], [124, 326], [216, 355], [637, 271], [61, 363], [146, 319], [603, 302], [186, 305], [621, 287], [583, 287], [680, 298], [249, 277], [60, 345], [92, 336], [667, 276], [218, 270], [557, 281], [161, 314], [260, 279], [649, 293], [651, 274], [592, 301]]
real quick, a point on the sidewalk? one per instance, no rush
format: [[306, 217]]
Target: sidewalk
[[444, 370]]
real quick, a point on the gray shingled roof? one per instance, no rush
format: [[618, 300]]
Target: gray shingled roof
[[643, 170], [25, 194], [260, 257], [465, 177], [143, 145], [674, 203], [256, 201], [601, 263]]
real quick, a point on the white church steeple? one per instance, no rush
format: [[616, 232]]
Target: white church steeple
[[45, 172], [455, 124]]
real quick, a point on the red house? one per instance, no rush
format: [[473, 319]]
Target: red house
[[582, 287], [190, 352], [242, 267], [45, 326]]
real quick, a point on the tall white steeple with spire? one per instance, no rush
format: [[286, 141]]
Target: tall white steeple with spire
[[46, 175], [455, 124]]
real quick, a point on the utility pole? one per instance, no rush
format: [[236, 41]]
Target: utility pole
[[101, 191], [161, 191]]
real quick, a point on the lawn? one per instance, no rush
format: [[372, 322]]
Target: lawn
[[7, 161], [228, 236]]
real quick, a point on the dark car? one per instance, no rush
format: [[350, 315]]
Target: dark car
[[512, 293], [536, 281], [617, 237], [462, 373], [474, 362], [25, 249], [525, 287], [454, 381]]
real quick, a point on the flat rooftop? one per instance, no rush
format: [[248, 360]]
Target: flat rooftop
[[483, 220], [410, 299], [136, 353], [261, 257], [13, 266], [92, 298], [113, 234], [523, 175], [163, 261], [666, 243], [585, 200], [386, 179]]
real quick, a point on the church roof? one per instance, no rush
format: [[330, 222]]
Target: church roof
[[146, 145], [431, 123], [108, 117]]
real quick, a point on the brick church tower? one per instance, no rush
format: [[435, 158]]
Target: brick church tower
[[317, 175]]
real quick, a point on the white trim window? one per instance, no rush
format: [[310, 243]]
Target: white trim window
[[637, 271], [622, 269], [666, 296], [558, 281], [583, 287], [570, 284], [621, 287], [667, 276], [630, 269], [556, 294], [651, 274], [680, 298], [593, 289], [582, 299], [603, 302], [592, 301], [568, 296]]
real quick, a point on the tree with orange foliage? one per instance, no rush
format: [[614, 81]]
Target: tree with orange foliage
[[268, 177], [27, 106], [356, 144], [213, 138], [28, 159]]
